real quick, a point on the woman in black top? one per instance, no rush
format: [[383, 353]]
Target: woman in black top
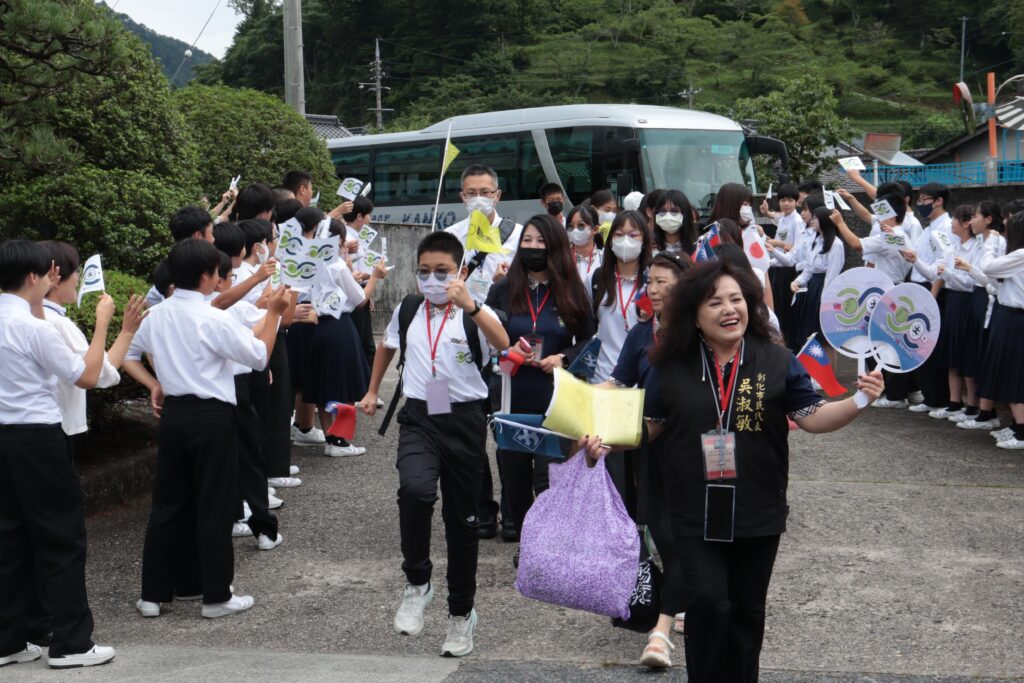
[[541, 298], [716, 350]]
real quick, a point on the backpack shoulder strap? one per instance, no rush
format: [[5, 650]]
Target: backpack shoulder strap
[[473, 340], [406, 313]]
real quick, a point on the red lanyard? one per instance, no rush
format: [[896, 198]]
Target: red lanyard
[[590, 261], [540, 307], [624, 303], [434, 341], [725, 387]]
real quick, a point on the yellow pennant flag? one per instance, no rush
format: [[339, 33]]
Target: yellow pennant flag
[[450, 152], [483, 236]]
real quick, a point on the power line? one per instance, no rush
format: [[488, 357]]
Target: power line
[[188, 52]]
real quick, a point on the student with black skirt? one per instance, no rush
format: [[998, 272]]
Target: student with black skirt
[[545, 307], [823, 262], [721, 381]]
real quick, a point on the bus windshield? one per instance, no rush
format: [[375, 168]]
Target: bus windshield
[[697, 162]]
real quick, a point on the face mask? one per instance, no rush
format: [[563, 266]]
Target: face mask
[[435, 291], [626, 248], [746, 215], [669, 222], [923, 211], [605, 216], [554, 208], [535, 260], [485, 205], [579, 237]]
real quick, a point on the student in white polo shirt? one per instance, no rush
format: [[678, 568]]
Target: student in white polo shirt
[[42, 521], [443, 433], [195, 349]]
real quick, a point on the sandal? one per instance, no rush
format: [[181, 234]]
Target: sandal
[[656, 655], [678, 623]]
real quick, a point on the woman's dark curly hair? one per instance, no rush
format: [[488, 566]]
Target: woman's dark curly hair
[[679, 335]]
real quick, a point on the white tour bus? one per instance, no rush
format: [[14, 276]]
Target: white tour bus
[[582, 147]]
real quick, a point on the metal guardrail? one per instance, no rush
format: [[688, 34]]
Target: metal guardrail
[[955, 175]]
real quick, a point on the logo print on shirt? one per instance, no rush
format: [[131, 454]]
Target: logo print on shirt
[[463, 357]]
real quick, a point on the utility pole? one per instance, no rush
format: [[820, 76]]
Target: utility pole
[[294, 72], [690, 92], [963, 41], [377, 74]]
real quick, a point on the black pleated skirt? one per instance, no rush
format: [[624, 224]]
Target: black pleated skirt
[[299, 341], [336, 369], [805, 319], [781, 277], [1002, 370], [964, 328]]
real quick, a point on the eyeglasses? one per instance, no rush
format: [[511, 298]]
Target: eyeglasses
[[439, 275], [481, 193]]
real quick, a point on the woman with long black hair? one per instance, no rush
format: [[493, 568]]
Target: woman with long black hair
[[824, 260], [674, 227], [722, 393]]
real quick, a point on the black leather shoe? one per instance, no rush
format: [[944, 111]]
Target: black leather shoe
[[487, 528], [509, 533]]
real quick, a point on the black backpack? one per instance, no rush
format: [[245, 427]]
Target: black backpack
[[406, 312]]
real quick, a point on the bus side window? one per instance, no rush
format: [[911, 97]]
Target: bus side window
[[572, 150], [406, 174], [351, 163], [495, 151]]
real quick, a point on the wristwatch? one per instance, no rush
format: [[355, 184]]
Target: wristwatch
[[476, 309]]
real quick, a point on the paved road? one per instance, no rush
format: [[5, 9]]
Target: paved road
[[904, 561]]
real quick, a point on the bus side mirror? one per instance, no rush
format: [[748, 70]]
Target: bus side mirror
[[761, 144]]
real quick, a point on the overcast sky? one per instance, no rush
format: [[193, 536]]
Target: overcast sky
[[183, 19]]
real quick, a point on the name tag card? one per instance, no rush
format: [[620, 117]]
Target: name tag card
[[438, 401], [719, 455]]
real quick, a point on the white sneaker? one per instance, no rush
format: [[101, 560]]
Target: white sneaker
[[314, 437], [152, 609], [409, 617], [271, 491], [293, 470], [246, 512], [916, 397], [284, 482], [962, 417], [944, 413], [922, 408], [273, 502], [335, 451], [99, 654], [1001, 434], [458, 642], [237, 603], [886, 403], [1011, 444], [30, 654], [380, 403], [974, 423], [264, 542], [240, 530]]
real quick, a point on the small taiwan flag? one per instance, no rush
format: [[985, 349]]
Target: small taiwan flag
[[812, 356], [344, 425], [713, 238]]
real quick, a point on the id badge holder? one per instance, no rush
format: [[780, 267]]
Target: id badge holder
[[719, 455], [719, 512], [478, 285], [536, 343], [438, 401]]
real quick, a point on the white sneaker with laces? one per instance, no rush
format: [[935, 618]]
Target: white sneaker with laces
[[1011, 444], [916, 397], [273, 502], [335, 451], [962, 417], [409, 616], [271, 491], [30, 654], [284, 482], [99, 654], [944, 413], [922, 408], [1001, 434], [237, 603], [314, 437], [886, 403], [458, 642], [293, 470], [151, 609], [240, 530], [265, 543], [974, 423]]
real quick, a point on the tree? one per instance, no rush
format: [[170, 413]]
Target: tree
[[252, 134], [804, 115]]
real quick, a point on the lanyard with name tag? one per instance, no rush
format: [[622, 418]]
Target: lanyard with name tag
[[438, 400]]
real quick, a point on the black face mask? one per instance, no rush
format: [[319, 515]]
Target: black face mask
[[535, 260], [554, 208]]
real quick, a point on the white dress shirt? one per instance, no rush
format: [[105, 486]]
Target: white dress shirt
[[339, 294], [830, 263], [1008, 271], [70, 398], [454, 360], [485, 273], [242, 273], [587, 266], [612, 328], [195, 347], [883, 257], [931, 247], [154, 297], [970, 251], [34, 359]]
